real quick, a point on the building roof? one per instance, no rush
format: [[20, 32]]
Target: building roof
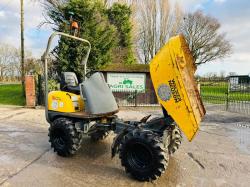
[[126, 68], [246, 76]]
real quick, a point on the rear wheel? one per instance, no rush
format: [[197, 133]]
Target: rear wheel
[[143, 155], [64, 137]]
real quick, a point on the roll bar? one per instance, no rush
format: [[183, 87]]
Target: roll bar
[[45, 60]]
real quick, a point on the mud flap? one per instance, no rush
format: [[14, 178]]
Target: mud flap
[[117, 141]]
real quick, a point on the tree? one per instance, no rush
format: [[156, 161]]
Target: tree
[[10, 62], [119, 15], [157, 22], [99, 24], [95, 27], [33, 65], [205, 41], [109, 3], [232, 74], [222, 74]]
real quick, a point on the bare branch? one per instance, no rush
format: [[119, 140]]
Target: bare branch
[[156, 22], [204, 39]]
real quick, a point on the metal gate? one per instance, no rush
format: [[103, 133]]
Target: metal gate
[[226, 95]]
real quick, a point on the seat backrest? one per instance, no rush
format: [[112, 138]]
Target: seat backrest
[[99, 99], [68, 79]]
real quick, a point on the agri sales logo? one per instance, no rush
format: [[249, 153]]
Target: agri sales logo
[[126, 82]]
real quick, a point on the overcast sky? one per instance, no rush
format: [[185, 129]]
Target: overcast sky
[[234, 16]]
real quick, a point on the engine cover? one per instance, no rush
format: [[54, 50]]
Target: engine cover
[[60, 101]]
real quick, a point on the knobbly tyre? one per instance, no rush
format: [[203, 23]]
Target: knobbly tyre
[[89, 108]]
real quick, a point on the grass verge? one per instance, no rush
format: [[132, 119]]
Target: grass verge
[[11, 94]]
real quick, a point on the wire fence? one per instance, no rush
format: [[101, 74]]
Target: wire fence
[[124, 98], [136, 98], [226, 95], [222, 94]]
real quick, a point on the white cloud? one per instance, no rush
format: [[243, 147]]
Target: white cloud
[[190, 5], [2, 14], [219, 1], [234, 19], [10, 25], [227, 65], [198, 7]]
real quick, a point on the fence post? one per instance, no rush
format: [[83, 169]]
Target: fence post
[[135, 98], [227, 99], [199, 86], [39, 88]]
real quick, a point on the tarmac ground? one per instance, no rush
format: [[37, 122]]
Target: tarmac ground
[[218, 156]]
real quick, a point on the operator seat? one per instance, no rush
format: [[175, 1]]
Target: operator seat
[[98, 97], [69, 83]]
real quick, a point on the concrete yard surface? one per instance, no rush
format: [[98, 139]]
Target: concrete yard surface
[[218, 156]]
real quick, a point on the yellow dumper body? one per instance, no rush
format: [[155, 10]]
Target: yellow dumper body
[[172, 73]]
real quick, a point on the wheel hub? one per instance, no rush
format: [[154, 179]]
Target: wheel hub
[[140, 156]]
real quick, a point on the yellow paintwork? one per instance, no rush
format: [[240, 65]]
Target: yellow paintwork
[[173, 67], [60, 101]]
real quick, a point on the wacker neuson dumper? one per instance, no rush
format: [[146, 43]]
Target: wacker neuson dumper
[[143, 146]]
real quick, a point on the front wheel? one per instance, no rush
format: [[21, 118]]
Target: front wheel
[[175, 140], [64, 137], [143, 155]]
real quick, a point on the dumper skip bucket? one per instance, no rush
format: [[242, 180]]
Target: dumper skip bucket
[[172, 73]]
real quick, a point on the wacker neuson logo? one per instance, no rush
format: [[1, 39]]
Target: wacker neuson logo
[[126, 81], [174, 90]]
